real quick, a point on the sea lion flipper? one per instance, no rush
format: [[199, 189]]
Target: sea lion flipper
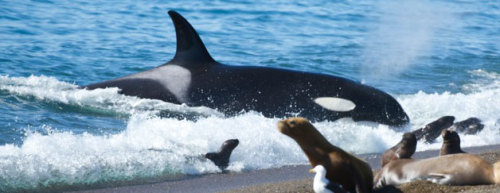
[[437, 178]]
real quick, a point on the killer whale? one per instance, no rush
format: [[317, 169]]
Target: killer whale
[[194, 78]]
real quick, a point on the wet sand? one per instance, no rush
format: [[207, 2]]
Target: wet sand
[[490, 154], [294, 179]]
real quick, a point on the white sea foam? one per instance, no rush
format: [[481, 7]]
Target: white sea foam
[[50, 89], [155, 147]]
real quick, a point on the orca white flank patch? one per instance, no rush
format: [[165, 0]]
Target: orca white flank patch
[[174, 78], [335, 104]]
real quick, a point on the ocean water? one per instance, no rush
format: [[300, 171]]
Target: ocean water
[[436, 58]]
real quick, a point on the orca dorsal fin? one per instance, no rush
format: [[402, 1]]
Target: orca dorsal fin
[[190, 48]]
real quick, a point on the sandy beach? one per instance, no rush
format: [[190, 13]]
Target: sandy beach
[[294, 179], [489, 153]]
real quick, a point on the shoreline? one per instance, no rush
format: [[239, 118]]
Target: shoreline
[[490, 154], [283, 177]]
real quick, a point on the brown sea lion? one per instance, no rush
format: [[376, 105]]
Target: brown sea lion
[[221, 157], [404, 149], [432, 130], [468, 126], [451, 143], [343, 168], [454, 169]]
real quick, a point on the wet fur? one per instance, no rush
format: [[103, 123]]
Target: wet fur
[[454, 169], [221, 157], [451, 143], [404, 149], [354, 174], [432, 130]]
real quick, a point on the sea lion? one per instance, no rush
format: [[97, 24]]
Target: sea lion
[[221, 157], [404, 149], [469, 126], [451, 143], [323, 185], [351, 172], [432, 130], [453, 169]]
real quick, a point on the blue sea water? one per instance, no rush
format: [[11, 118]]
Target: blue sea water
[[436, 58]]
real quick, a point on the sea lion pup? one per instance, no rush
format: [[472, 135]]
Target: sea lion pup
[[453, 169], [451, 143], [221, 157], [343, 168], [404, 149], [469, 126], [432, 130]]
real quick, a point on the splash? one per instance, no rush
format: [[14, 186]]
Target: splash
[[403, 34], [153, 147], [50, 89]]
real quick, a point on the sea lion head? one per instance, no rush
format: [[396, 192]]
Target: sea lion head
[[296, 127], [469, 126], [303, 132], [450, 136], [432, 130], [451, 143], [409, 139], [404, 149], [221, 158], [229, 145]]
